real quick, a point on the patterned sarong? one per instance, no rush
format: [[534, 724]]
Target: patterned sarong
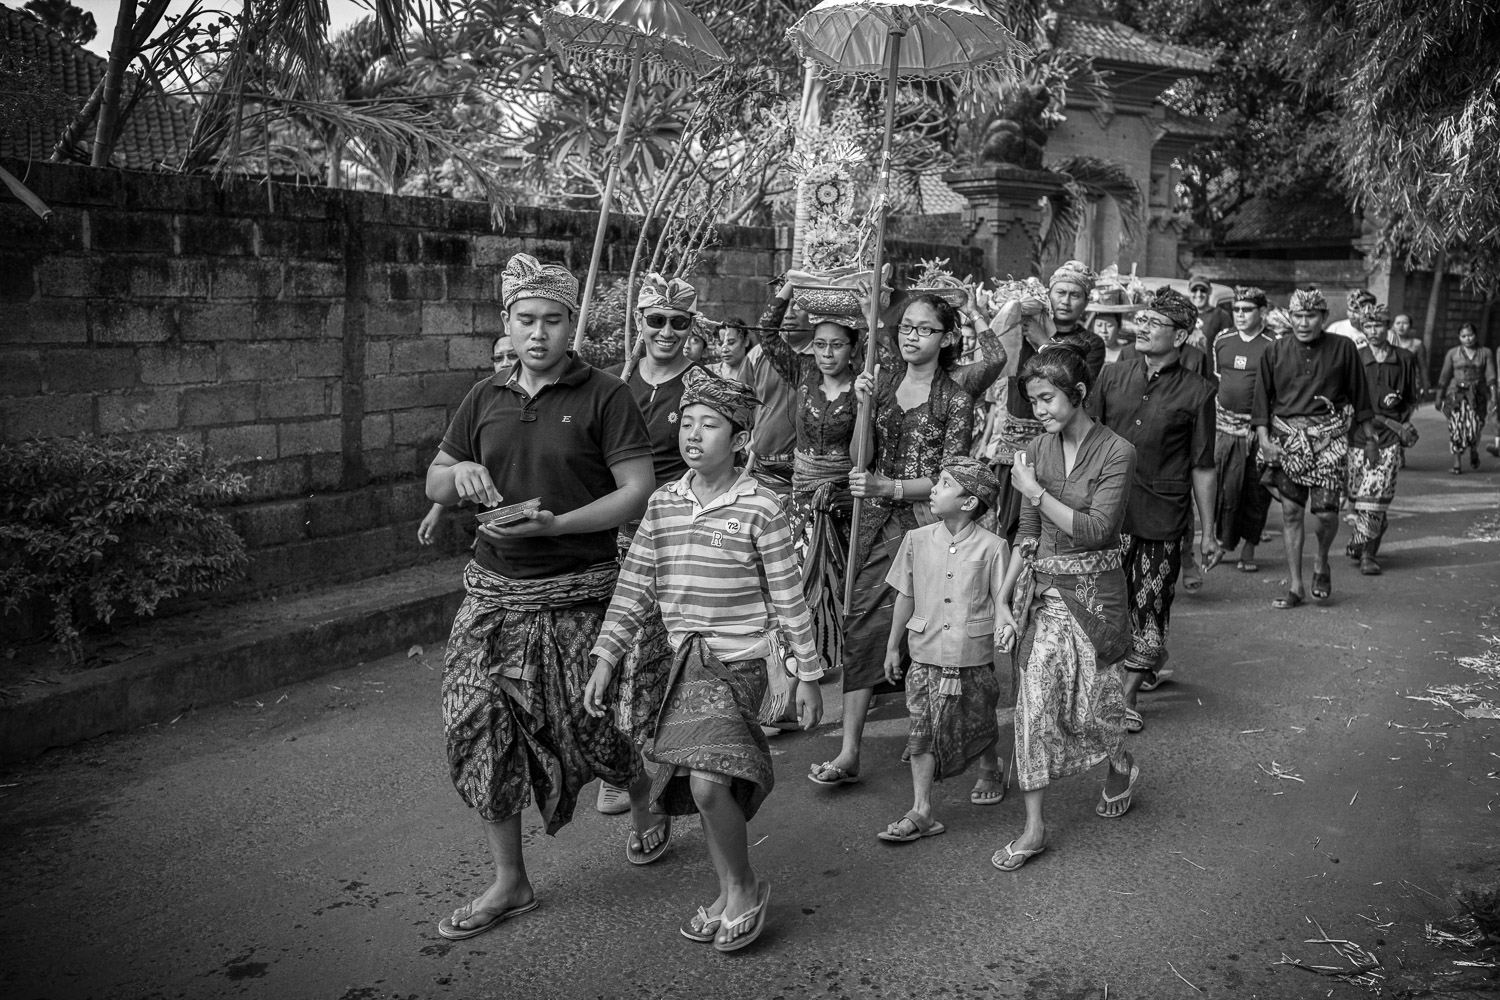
[[1372, 488], [867, 625], [955, 728], [513, 677], [1242, 503], [1091, 586], [819, 512], [1070, 712], [1151, 570], [1313, 448], [1463, 407], [708, 724]]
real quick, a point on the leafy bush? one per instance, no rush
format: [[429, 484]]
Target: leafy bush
[[604, 340], [98, 523]]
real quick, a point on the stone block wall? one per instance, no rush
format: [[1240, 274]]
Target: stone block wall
[[318, 339]]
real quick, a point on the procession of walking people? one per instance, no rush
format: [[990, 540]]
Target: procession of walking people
[[1046, 463]]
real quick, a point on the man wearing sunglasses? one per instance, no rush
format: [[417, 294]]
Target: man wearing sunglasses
[[1243, 502]]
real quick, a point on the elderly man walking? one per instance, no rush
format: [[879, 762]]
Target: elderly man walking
[[1310, 388]]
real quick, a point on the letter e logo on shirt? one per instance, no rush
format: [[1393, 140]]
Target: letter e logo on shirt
[[1241, 362], [567, 418]]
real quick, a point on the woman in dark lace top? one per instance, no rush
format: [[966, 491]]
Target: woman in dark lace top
[[922, 416]]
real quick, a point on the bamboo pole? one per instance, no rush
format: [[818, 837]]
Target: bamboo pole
[[607, 201], [861, 447]]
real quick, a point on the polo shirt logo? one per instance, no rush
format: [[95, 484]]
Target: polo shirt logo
[[717, 540], [672, 418], [1241, 362], [567, 418]]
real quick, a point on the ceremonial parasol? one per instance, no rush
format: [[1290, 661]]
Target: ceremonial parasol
[[941, 40], [628, 33]]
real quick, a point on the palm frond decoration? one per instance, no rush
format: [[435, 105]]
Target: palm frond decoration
[[1086, 178]]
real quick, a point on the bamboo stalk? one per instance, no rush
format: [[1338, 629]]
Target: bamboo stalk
[[860, 449]]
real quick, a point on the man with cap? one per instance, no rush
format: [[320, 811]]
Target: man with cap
[[1395, 390], [1209, 320], [1240, 516], [1167, 413], [1353, 325], [553, 429], [1309, 387]]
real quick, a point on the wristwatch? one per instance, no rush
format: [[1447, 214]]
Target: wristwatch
[[1036, 498], [898, 492]]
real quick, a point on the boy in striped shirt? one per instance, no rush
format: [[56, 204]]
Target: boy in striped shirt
[[715, 553]]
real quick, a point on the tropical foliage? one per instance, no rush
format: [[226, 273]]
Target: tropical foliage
[[73, 23]]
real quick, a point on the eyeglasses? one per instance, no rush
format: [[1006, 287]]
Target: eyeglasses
[[658, 320], [1159, 324], [925, 332], [1245, 309]]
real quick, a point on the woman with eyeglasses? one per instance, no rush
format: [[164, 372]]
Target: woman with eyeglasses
[[922, 417]]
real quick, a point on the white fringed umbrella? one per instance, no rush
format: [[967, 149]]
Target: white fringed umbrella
[[628, 33], [893, 40]]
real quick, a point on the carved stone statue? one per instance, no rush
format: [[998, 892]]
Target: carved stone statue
[[1016, 137]]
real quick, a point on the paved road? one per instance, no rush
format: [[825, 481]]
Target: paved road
[[303, 844]]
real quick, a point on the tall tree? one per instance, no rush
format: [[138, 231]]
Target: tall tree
[[73, 23]]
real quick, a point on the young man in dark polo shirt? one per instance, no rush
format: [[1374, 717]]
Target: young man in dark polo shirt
[[1395, 390], [1310, 383], [1243, 504], [554, 429], [1167, 413]]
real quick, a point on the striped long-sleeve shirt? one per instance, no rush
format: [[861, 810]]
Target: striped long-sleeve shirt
[[725, 570]]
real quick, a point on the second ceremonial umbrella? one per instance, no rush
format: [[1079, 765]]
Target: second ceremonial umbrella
[[957, 41], [629, 32]]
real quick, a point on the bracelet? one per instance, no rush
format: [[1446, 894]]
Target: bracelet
[[899, 492]]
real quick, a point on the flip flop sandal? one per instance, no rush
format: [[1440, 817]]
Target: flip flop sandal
[[1192, 586], [1009, 862], [1322, 584], [839, 776], [701, 927], [1291, 600], [636, 856], [1106, 800], [1133, 721], [979, 798], [755, 916], [1246, 567], [1161, 677], [919, 828], [448, 926]]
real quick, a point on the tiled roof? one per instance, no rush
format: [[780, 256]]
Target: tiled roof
[[157, 129], [1110, 40], [1191, 126], [1293, 221], [937, 197]]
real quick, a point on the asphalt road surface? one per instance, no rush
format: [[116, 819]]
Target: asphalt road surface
[[304, 843]]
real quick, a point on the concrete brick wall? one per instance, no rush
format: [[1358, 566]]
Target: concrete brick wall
[[319, 339]]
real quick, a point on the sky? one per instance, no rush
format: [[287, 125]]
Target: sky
[[340, 13]]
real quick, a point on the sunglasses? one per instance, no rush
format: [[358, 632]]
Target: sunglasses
[[658, 320], [1245, 309]]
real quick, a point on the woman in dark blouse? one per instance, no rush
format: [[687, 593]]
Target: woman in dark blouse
[[1465, 388], [1066, 591], [922, 416]]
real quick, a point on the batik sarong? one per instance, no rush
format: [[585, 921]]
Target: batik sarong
[[1243, 503], [513, 677], [1464, 407], [1372, 487], [867, 625], [955, 726], [819, 513], [1070, 710], [1151, 570], [1310, 469], [707, 727], [643, 673]]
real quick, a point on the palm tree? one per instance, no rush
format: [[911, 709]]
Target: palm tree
[[73, 23]]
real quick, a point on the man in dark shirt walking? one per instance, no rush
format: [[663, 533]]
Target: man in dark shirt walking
[[1243, 504], [1310, 386], [1395, 389], [1167, 413]]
